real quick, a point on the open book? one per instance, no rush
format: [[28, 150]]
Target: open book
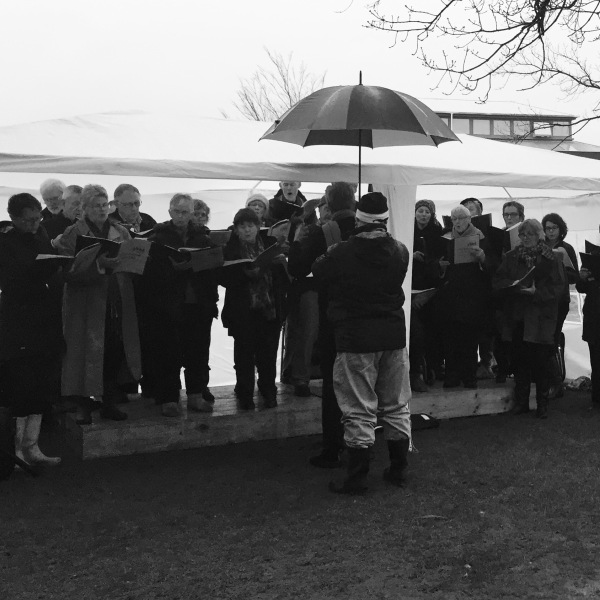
[[204, 259], [525, 282], [52, 256], [462, 249], [264, 259], [132, 254]]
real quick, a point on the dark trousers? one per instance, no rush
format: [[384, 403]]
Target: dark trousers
[[255, 348], [595, 364], [331, 415], [176, 344], [460, 349], [530, 362], [30, 384]]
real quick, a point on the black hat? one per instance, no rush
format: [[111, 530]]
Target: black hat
[[372, 207]]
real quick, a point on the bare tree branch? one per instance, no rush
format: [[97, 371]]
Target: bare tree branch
[[469, 42], [272, 90]]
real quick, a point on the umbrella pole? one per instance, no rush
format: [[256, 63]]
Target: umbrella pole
[[359, 158]]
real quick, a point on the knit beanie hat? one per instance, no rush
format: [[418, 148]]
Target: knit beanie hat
[[427, 204], [259, 198], [372, 208]]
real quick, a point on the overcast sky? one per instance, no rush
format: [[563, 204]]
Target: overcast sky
[[68, 57]]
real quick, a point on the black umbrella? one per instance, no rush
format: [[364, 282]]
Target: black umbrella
[[360, 115]]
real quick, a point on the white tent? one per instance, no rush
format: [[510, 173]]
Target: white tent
[[178, 145], [136, 144]]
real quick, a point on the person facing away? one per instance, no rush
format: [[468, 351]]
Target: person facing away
[[364, 277]]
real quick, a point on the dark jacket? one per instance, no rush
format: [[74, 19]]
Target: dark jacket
[[237, 307], [591, 310], [426, 274], [277, 210], [303, 254], [465, 295], [146, 223], [56, 224], [539, 312], [364, 277], [163, 289], [30, 303]]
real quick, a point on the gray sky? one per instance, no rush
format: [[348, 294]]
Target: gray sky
[[68, 57]]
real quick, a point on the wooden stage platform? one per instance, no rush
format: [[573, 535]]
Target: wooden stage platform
[[147, 430]]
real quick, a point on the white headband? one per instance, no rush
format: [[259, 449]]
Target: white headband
[[369, 218]]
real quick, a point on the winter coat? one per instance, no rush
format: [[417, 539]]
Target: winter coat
[[364, 277], [146, 223], [466, 288], [84, 315], [426, 273], [277, 209], [591, 310], [237, 305], [539, 312], [163, 290], [30, 313]]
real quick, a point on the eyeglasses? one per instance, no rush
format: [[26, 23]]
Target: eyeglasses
[[30, 221], [525, 234], [551, 228], [181, 213], [508, 215], [129, 204], [102, 206]]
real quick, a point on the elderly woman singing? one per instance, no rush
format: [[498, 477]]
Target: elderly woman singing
[[100, 320], [532, 281]]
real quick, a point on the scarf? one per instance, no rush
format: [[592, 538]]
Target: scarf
[[96, 231], [529, 255], [261, 289], [470, 230]]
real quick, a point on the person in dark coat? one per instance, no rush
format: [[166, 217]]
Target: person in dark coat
[[52, 195], [364, 277], [590, 286], [555, 230], [303, 253], [31, 341], [254, 309], [463, 300], [70, 212], [530, 309], [425, 339], [128, 201], [177, 307], [279, 206]]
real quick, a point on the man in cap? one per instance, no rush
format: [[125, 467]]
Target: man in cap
[[364, 277]]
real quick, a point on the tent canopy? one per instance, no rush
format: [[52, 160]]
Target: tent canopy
[[188, 146]]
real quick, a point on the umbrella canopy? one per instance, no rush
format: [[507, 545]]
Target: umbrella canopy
[[360, 115]]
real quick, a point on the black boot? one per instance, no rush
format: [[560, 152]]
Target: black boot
[[358, 469], [396, 472], [542, 405], [521, 399]]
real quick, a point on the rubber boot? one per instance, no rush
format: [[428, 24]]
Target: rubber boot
[[396, 472], [358, 469], [19, 433], [29, 444]]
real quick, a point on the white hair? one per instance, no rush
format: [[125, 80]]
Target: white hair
[[52, 185], [460, 211]]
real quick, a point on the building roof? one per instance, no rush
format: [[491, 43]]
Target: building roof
[[491, 108]]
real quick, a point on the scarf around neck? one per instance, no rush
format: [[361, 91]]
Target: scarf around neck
[[529, 255]]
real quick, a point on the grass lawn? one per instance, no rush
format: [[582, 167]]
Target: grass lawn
[[497, 507]]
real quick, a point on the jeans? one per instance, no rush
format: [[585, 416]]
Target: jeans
[[372, 384]]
